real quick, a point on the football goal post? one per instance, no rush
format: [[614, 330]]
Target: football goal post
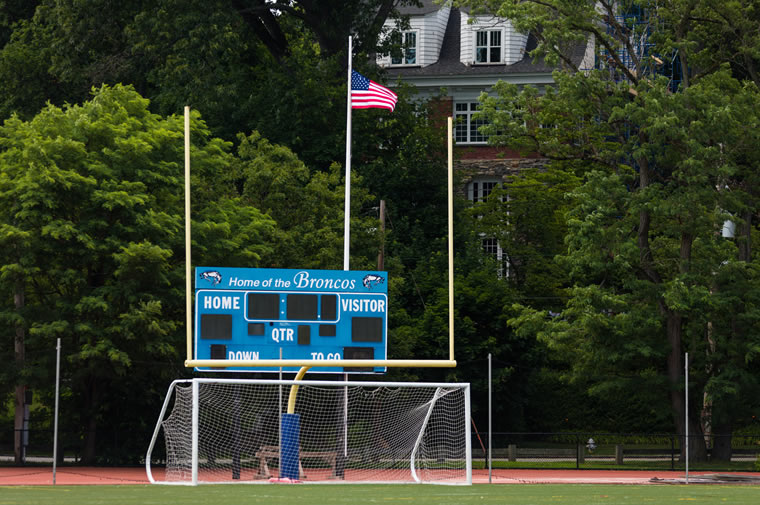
[[234, 431]]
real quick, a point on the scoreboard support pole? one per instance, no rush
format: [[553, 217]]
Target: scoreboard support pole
[[290, 425]]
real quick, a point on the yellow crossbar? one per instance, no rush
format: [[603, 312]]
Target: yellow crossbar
[[399, 363]]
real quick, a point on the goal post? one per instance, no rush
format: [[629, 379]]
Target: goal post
[[236, 431]]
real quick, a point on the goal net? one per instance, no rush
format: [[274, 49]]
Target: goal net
[[221, 430]]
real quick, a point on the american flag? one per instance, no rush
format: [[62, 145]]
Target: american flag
[[367, 94]]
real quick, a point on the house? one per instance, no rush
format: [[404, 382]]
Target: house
[[453, 55]]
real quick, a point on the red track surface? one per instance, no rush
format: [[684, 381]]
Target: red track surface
[[67, 476]]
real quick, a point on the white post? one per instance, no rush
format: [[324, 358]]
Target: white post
[[347, 203], [345, 418], [188, 262], [164, 407], [194, 434], [55, 414], [490, 459], [468, 433], [686, 416]]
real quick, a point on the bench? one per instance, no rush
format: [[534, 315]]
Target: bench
[[663, 453], [268, 452], [546, 452]]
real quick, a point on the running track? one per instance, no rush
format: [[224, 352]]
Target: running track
[[68, 476]]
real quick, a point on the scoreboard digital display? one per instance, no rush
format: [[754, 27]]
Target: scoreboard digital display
[[261, 313]]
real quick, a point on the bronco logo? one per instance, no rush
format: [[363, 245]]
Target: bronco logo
[[212, 276], [371, 280]]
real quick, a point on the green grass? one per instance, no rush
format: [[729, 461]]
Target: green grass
[[340, 494]]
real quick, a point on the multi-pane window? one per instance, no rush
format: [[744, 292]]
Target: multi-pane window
[[408, 55], [481, 189], [466, 128], [492, 247], [488, 46]]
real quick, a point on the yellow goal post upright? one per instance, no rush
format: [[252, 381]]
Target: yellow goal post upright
[[190, 362]]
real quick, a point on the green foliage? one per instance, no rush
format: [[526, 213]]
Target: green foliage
[[308, 208], [649, 273], [92, 237]]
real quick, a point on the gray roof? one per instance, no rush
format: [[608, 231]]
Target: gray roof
[[426, 7], [449, 64]]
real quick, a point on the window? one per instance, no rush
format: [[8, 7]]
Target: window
[[479, 191], [492, 248], [466, 128], [488, 46], [408, 55]]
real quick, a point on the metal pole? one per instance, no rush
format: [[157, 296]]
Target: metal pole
[[279, 417], [490, 459], [686, 415], [342, 472], [55, 414], [347, 203]]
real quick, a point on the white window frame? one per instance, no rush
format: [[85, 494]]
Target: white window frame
[[466, 128], [479, 189], [489, 46], [408, 49], [492, 247]]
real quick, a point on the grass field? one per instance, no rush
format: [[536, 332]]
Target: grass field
[[573, 494]]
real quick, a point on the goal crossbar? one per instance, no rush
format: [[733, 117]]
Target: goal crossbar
[[284, 363]]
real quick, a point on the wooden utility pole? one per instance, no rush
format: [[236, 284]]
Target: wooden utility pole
[[381, 254]]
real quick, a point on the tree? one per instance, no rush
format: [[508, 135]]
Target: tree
[[12, 11], [659, 131], [92, 230], [218, 57], [308, 208], [330, 21]]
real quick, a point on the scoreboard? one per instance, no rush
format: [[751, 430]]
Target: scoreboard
[[261, 313]]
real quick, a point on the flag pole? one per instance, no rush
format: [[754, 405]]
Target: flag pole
[[347, 203], [188, 243]]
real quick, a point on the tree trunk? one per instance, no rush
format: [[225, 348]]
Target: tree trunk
[[91, 425], [19, 354], [721, 447], [697, 446]]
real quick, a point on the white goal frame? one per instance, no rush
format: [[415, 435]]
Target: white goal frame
[[286, 384]]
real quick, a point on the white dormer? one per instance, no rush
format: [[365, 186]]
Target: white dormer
[[422, 41], [486, 40]]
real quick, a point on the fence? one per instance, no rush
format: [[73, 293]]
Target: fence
[[580, 450], [115, 447], [589, 450]]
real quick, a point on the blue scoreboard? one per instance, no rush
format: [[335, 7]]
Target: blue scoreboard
[[261, 313]]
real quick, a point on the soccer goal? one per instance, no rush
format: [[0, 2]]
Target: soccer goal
[[234, 431]]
